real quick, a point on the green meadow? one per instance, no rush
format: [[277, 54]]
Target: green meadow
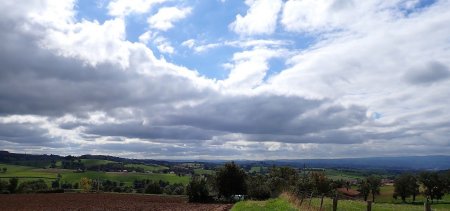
[[25, 173]]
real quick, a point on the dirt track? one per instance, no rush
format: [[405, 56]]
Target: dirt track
[[79, 201]]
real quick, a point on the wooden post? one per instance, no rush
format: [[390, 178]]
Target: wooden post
[[301, 199], [369, 205], [426, 206], [321, 202], [335, 201]]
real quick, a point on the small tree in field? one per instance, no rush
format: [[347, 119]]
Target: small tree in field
[[86, 184], [405, 186], [13, 183], [364, 189], [197, 190], [231, 180], [374, 184]]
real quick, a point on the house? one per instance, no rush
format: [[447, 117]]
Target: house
[[348, 192]]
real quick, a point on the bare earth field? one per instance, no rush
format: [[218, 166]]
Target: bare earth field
[[103, 201]]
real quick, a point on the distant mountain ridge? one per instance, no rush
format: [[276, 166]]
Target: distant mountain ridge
[[432, 162]]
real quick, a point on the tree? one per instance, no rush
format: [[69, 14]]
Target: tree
[[5, 169], [374, 184], [55, 184], [4, 186], [257, 187], [364, 189], [322, 185], [231, 180], [282, 179], [86, 184], [197, 190], [13, 182], [153, 188], [434, 185], [405, 186]]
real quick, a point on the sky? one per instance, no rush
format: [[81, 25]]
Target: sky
[[225, 79]]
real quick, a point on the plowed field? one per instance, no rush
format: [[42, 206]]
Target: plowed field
[[102, 201]]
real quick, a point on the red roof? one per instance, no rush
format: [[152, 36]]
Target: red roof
[[349, 192]]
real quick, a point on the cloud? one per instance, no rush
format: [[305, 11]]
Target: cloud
[[261, 18], [162, 44], [318, 16], [82, 86], [166, 16], [432, 72], [122, 8], [249, 68]]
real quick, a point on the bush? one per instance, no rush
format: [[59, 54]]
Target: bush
[[13, 182], [33, 186], [231, 180], [197, 190], [4, 187], [257, 188], [153, 188], [86, 184]]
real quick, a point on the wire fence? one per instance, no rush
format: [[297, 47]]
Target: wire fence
[[311, 200]]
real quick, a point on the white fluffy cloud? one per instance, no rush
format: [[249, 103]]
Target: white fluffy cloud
[[166, 16], [329, 15], [249, 68], [261, 18]]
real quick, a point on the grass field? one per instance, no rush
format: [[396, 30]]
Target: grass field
[[289, 202], [257, 169], [95, 162], [30, 173], [278, 204], [350, 205], [203, 171], [386, 193], [147, 167]]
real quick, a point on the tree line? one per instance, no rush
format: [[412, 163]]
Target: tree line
[[231, 182], [435, 185]]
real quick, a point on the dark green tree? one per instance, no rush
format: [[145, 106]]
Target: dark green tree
[[153, 188], [322, 185], [5, 169], [257, 187], [434, 185], [374, 184], [231, 180], [4, 186], [364, 189], [13, 182], [55, 184], [197, 190], [405, 186], [282, 179]]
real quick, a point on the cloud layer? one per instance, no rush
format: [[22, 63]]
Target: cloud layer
[[373, 82]]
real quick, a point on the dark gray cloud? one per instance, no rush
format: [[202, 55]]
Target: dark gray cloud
[[432, 72], [145, 131]]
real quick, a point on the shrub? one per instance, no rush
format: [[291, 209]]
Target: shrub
[[32, 186], [197, 190]]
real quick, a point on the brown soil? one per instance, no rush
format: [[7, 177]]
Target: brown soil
[[102, 201]]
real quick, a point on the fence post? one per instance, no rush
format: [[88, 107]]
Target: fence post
[[321, 202], [369, 205], [426, 206], [335, 201]]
